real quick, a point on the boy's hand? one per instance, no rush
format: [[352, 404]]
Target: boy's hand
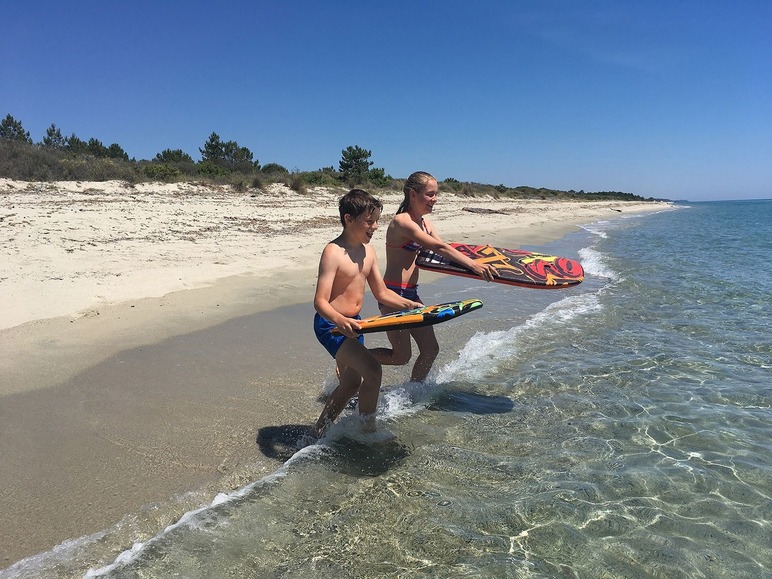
[[349, 327]]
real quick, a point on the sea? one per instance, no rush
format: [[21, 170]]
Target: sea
[[621, 428]]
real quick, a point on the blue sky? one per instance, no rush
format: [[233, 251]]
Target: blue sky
[[660, 98]]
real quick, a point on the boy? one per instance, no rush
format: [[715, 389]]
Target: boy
[[346, 263]]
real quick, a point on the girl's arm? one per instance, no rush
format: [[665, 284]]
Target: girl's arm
[[437, 245]]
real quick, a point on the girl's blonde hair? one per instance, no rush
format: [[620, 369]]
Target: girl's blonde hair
[[416, 182]]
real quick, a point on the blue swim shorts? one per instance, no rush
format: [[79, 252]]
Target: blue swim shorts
[[331, 342]]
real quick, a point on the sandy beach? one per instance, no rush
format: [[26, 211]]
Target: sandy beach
[[149, 333]]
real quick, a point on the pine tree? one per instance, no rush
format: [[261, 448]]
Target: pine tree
[[54, 138], [12, 130], [355, 164]]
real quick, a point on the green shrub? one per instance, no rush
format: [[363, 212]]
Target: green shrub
[[161, 172], [93, 169], [452, 185], [274, 168], [173, 156], [211, 169], [378, 177], [321, 178], [296, 183]]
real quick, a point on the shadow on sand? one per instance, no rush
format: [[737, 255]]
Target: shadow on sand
[[281, 442]]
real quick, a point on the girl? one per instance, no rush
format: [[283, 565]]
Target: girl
[[409, 231]]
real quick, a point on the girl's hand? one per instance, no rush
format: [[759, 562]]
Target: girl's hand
[[487, 272]]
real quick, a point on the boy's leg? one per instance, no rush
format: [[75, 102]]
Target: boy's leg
[[350, 381], [360, 372], [354, 356]]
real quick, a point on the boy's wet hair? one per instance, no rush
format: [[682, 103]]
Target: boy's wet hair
[[357, 202]]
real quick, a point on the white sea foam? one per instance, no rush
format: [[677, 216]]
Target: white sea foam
[[598, 228], [594, 263], [36, 565], [485, 351], [401, 400]]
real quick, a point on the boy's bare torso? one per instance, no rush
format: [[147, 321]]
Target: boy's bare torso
[[353, 268]]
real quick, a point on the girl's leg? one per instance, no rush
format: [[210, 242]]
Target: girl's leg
[[400, 351], [428, 349]]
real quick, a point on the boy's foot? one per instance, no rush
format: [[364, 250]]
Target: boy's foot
[[321, 428]]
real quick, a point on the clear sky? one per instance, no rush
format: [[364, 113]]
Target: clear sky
[[662, 98]]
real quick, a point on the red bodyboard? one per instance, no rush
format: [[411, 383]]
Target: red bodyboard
[[513, 266]]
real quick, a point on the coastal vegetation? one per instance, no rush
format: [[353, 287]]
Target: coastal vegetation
[[69, 158]]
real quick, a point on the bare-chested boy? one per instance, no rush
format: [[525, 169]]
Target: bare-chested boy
[[346, 263]]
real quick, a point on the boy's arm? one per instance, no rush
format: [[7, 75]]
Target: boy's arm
[[328, 268], [383, 294]]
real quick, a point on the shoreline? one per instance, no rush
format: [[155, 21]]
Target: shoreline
[[157, 387]]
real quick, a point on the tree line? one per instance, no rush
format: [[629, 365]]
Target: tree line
[[62, 158]]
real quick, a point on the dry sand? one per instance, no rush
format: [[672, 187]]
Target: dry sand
[[150, 333]]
